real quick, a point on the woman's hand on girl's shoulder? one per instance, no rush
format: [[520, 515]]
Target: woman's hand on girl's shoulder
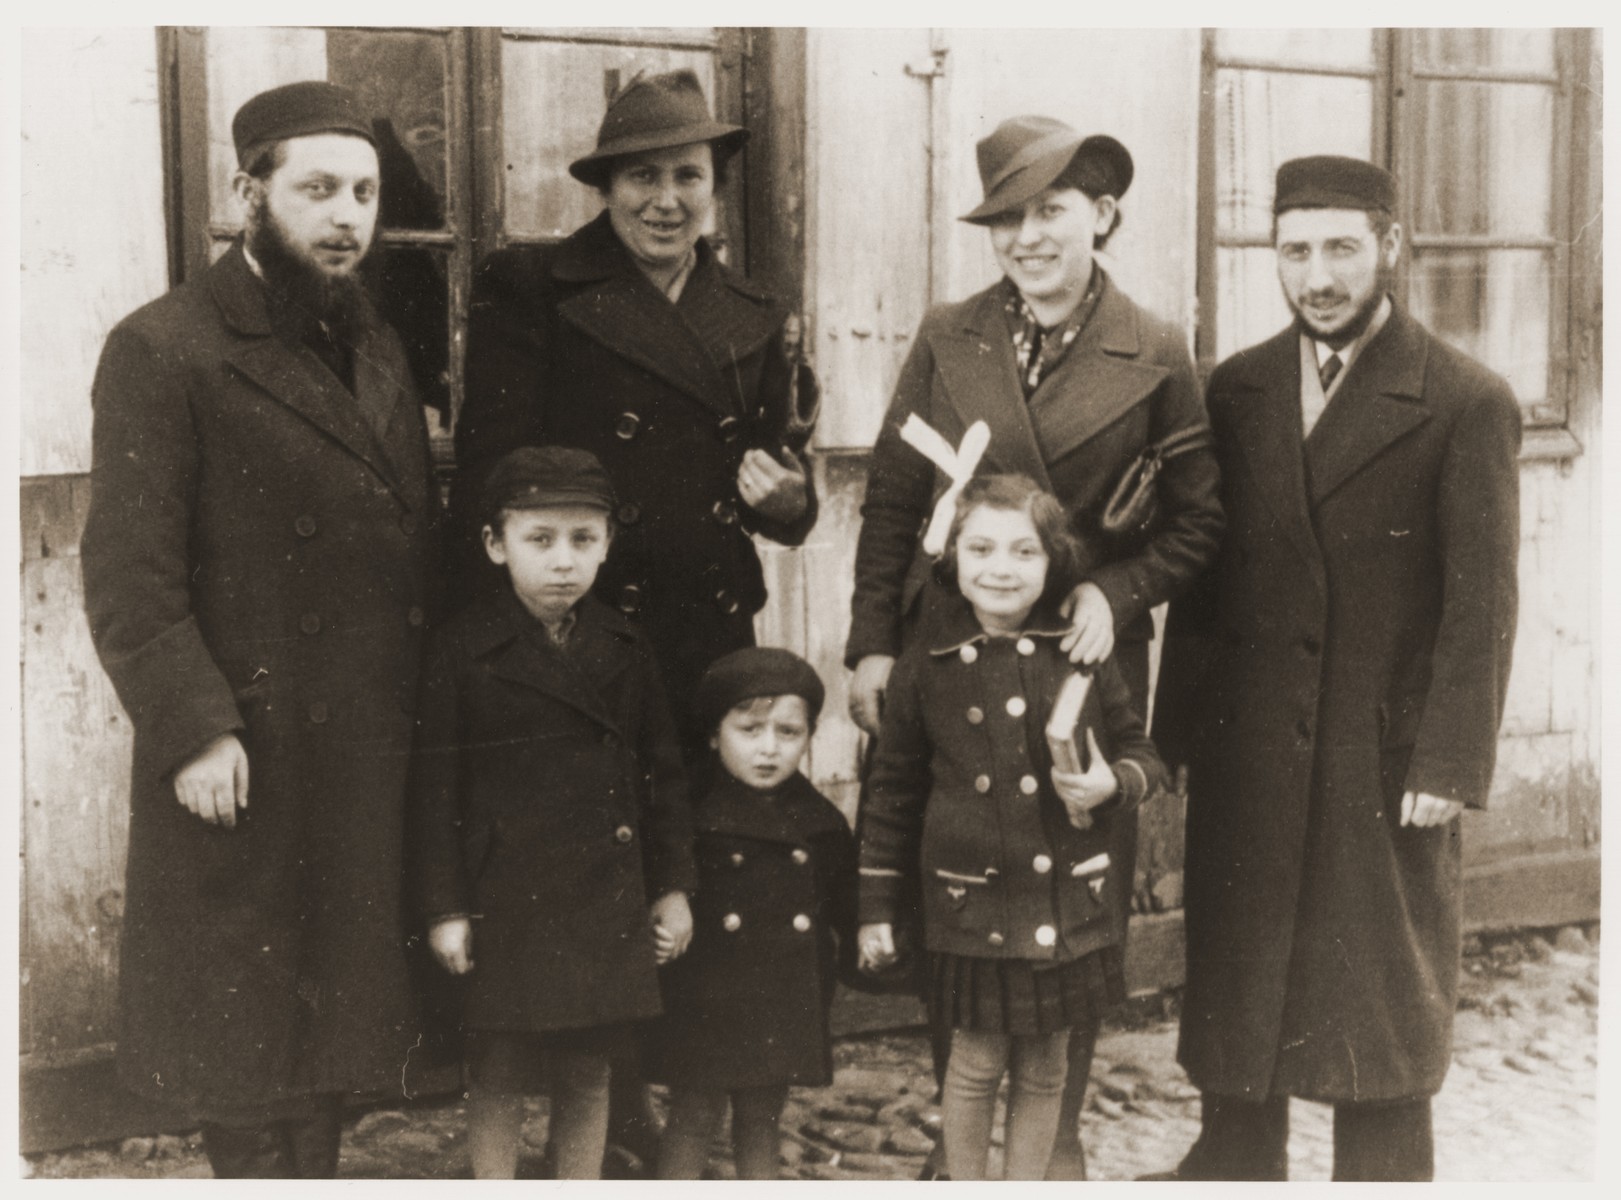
[[1085, 790], [1090, 639]]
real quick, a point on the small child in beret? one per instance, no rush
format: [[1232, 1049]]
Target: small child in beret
[[746, 1010], [550, 835]]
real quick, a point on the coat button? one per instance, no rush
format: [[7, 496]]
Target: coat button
[[415, 617], [726, 602], [995, 938], [968, 654], [737, 860], [623, 834], [724, 511], [305, 526], [629, 514], [1015, 706], [310, 623], [408, 524], [728, 428], [630, 599], [799, 856], [1046, 935], [976, 715], [1029, 786], [802, 923], [1042, 864], [1025, 646], [731, 922], [318, 712], [1303, 728], [982, 784], [625, 425]]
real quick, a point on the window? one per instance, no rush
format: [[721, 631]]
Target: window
[[1476, 124]]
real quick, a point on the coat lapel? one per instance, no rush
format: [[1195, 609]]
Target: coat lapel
[[1267, 427], [980, 377], [1097, 381], [381, 380], [293, 375], [579, 677], [1379, 403], [691, 346]]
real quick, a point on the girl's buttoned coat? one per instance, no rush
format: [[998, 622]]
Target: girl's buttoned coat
[[572, 345], [548, 801], [747, 1005], [259, 559], [960, 797]]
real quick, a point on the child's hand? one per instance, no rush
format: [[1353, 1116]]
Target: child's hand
[[671, 922], [452, 943], [876, 944], [1084, 791]]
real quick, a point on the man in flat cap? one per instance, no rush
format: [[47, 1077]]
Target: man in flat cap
[[1334, 685], [257, 560]]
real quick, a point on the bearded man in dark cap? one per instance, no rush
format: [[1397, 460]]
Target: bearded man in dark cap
[[1334, 684], [257, 561]]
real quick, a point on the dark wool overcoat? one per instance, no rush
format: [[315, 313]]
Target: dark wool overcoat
[[548, 801], [1352, 642], [572, 345], [960, 797], [747, 1005], [257, 561]]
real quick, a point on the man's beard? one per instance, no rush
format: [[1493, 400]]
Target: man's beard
[[305, 300], [1354, 328]]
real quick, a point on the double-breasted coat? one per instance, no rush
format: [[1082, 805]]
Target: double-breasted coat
[[258, 560], [1351, 642], [548, 801], [960, 796], [572, 345], [747, 1005]]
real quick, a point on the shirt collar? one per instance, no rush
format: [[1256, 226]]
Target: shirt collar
[[1349, 352]]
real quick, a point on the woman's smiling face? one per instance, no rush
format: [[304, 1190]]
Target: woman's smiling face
[[659, 201], [1045, 246]]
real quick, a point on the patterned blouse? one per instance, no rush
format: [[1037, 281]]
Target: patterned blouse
[[1038, 350]]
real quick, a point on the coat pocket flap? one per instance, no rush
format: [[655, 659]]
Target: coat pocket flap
[[1098, 862]]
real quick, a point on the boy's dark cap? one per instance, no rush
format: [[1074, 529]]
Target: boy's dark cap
[[297, 110], [542, 476], [751, 672], [1331, 181]]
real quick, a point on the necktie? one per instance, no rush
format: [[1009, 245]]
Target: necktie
[[1330, 371]]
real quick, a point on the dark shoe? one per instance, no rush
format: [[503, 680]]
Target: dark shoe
[[251, 1152]]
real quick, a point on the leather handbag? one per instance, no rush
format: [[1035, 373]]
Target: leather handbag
[[1133, 504]]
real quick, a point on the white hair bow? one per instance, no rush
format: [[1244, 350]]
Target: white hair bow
[[959, 466]]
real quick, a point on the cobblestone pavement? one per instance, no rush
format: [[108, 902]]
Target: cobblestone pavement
[[1519, 1103]]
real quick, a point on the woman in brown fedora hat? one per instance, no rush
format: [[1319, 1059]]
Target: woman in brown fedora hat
[[630, 339], [1081, 389]]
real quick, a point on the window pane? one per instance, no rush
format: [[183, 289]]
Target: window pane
[[1249, 302], [1501, 49], [401, 78], [554, 95], [1485, 154], [1299, 47], [1492, 304], [409, 286], [1264, 118]]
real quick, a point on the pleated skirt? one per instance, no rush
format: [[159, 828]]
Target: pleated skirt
[[1013, 995]]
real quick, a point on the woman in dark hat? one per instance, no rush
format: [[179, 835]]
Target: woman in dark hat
[[1076, 383], [630, 339]]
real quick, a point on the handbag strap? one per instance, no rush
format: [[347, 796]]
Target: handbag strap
[[1196, 437]]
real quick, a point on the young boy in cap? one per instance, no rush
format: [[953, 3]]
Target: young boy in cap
[[549, 807], [746, 1010]]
